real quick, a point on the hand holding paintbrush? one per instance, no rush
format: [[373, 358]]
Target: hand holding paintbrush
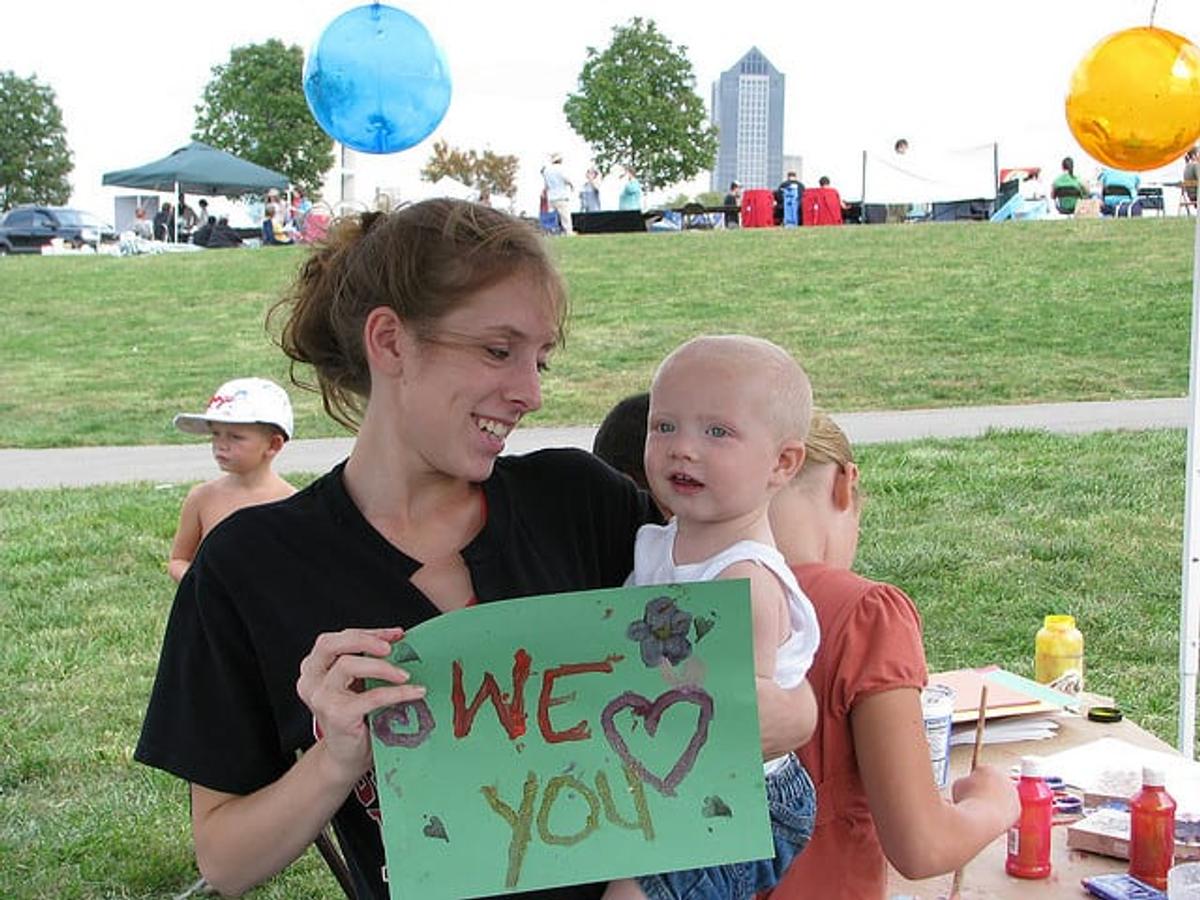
[[956, 885]]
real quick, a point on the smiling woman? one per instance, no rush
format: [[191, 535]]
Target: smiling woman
[[428, 329]]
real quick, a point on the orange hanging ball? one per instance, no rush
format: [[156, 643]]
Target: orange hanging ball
[[1134, 101]]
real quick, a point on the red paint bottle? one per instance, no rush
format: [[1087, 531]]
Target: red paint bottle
[[1029, 837], [1151, 830]]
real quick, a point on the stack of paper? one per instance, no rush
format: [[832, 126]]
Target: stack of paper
[[1008, 694], [1021, 728]]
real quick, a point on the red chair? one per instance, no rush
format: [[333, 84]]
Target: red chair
[[758, 208], [822, 206]]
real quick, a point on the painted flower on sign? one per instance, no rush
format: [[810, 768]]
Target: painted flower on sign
[[662, 632]]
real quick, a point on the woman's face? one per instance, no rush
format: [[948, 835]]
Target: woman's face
[[467, 385]]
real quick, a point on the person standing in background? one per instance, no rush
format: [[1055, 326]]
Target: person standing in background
[[589, 194], [631, 192], [558, 191]]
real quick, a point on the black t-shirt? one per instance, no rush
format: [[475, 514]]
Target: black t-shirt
[[224, 712]]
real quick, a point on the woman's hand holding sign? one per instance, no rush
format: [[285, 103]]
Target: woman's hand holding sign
[[331, 684]]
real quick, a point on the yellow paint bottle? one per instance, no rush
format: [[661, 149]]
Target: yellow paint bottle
[[1058, 654]]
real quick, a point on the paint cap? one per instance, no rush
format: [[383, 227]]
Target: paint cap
[[1031, 767]]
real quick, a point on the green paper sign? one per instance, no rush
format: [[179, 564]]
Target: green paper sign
[[573, 738]]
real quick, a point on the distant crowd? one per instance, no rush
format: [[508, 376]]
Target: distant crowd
[[283, 222]]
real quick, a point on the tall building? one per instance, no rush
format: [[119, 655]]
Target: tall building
[[747, 108]]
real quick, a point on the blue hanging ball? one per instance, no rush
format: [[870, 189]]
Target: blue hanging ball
[[376, 81]]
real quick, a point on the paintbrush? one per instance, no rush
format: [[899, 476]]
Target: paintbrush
[[958, 873]]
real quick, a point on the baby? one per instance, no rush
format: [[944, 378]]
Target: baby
[[728, 419]]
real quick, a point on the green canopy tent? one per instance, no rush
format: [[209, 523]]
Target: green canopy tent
[[199, 169]]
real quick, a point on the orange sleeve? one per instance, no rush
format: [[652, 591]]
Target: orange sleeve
[[879, 648]]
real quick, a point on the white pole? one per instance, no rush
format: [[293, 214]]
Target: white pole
[[1189, 607]]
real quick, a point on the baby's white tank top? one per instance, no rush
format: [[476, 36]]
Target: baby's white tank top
[[653, 563]]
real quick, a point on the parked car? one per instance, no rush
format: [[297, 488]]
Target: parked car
[[26, 229]]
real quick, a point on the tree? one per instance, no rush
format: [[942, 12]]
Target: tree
[[34, 157], [636, 105], [490, 172], [254, 107]]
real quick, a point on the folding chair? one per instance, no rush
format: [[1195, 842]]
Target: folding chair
[[1152, 198], [1069, 193], [337, 865], [1118, 199], [1187, 197], [328, 848]]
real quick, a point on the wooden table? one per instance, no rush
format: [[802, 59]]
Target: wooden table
[[984, 876]]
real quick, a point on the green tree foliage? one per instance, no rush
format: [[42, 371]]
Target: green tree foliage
[[254, 107], [490, 172], [637, 105], [34, 157]]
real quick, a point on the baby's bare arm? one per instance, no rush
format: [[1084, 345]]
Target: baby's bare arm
[[187, 535], [768, 609], [787, 718]]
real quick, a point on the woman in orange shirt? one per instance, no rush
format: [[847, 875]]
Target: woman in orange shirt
[[876, 799]]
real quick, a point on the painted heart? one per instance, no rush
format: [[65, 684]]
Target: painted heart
[[651, 713], [435, 829], [391, 722]]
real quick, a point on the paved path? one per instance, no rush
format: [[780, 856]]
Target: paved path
[[192, 462]]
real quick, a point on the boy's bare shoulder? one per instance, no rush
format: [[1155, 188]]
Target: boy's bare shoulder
[[198, 493], [215, 500], [281, 489]]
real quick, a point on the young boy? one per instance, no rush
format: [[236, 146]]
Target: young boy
[[249, 420], [728, 419]]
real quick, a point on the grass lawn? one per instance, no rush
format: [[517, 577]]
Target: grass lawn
[[987, 535], [106, 351]]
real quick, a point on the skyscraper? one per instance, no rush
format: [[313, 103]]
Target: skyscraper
[[747, 108]]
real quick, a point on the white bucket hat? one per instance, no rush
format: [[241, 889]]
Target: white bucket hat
[[243, 401]]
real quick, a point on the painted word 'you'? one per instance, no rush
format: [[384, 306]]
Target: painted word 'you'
[[409, 725]]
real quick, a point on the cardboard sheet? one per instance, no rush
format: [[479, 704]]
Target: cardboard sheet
[[557, 745]]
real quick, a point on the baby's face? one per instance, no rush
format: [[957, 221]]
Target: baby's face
[[710, 448]]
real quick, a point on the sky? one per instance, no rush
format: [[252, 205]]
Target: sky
[[945, 74]]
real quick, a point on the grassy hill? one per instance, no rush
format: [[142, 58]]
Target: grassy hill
[[106, 351]]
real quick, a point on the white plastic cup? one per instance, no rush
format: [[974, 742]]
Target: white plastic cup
[[937, 705], [1183, 881]]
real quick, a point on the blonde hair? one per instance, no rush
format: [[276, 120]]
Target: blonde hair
[[786, 390], [826, 442], [826, 445]]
